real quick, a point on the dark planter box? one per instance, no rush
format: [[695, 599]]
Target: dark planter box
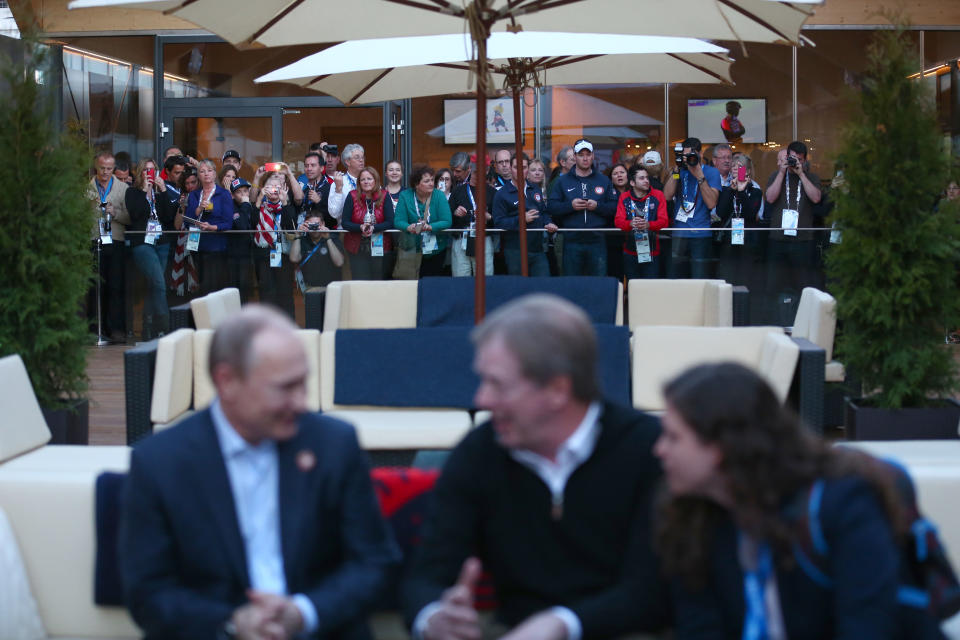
[[921, 423], [71, 425]]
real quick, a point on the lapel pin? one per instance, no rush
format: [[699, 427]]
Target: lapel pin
[[306, 461]]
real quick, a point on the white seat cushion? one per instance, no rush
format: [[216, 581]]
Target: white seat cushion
[[49, 499], [834, 372], [406, 428], [19, 617], [203, 390], [371, 304], [311, 344], [23, 427], [661, 353], [173, 376]]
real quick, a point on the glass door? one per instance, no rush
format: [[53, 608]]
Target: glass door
[[208, 133]]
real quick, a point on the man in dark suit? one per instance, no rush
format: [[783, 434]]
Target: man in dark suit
[[253, 519], [554, 495]]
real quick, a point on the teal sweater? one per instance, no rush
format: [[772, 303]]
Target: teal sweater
[[407, 213]]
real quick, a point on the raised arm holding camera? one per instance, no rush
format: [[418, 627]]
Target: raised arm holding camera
[[792, 193], [694, 187]]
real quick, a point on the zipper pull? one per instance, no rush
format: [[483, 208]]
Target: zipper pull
[[556, 510]]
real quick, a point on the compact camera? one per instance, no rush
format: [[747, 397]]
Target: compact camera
[[792, 162], [313, 226]]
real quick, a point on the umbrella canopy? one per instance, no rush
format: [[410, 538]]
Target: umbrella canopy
[[274, 23], [354, 71]]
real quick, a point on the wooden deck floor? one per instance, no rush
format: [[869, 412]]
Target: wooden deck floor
[[107, 407]]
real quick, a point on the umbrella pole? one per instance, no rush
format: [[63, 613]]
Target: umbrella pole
[[480, 255], [521, 183]]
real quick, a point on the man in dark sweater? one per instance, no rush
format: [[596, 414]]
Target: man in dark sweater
[[553, 497]]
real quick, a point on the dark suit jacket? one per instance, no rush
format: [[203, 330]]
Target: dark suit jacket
[[181, 553], [596, 559]]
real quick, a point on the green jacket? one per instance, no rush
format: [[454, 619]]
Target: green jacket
[[409, 210]]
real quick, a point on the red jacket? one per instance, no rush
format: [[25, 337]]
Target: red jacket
[[657, 217]]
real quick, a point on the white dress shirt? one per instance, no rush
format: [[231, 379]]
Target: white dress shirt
[[254, 474]]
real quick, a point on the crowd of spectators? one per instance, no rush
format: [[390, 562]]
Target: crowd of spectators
[[341, 218]]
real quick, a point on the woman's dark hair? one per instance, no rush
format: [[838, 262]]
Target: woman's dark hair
[[417, 173], [767, 458], [609, 173], [188, 171]]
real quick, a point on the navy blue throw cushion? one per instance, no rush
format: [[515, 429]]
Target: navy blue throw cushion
[[405, 367], [107, 589], [443, 301]]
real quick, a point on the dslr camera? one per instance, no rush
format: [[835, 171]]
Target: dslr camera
[[691, 159], [792, 162]]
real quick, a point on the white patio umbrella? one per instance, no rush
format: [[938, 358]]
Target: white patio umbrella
[[353, 72], [274, 23]]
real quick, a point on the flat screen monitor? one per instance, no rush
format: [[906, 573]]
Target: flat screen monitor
[[731, 120]]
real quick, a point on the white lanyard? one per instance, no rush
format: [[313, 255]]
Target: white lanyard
[[799, 189], [425, 216]]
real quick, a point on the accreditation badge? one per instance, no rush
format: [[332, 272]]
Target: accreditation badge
[[790, 221], [193, 239], [429, 242], [736, 237], [376, 245], [276, 258], [153, 232]]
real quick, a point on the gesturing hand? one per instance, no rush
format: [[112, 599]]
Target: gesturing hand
[[456, 619]]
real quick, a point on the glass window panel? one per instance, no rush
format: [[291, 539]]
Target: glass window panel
[[108, 90], [940, 61], [764, 72], [334, 125], [428, 129], [211, 137], [217, 69], [826, 74], [622, 122]]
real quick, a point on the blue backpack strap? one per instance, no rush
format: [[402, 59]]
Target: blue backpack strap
[[813, 518], [812, 545]]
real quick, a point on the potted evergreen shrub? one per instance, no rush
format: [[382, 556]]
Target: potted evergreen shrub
[[46, 220], [894, 274]]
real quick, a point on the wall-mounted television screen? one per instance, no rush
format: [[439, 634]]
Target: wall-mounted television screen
[[732, 120]]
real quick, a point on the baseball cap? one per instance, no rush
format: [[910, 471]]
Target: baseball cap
[[238, 183], [582, 144], [231, 153], [651, 158]]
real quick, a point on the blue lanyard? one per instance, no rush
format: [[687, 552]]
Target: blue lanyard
[[310, 255], [754, 586], [683, 191], [104, 194]]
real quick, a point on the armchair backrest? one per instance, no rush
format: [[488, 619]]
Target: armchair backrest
[[661, 353], [212, 309], [816, 319], [686, 303], [173, 385], [370, 304], [23, 427]]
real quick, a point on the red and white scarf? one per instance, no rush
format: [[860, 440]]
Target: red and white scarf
[[267, 224], [183, 271]]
